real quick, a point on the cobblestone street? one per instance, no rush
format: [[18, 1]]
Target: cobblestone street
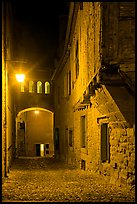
[[48, 180]]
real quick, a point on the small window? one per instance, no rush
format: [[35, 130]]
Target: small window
[[69, 82], [83, 164], [22, 87], [81, 5], [47, 152], [70, 137], [39, 87], [77, 59], [47, 146], [47, 87], [31, 86], [83, 131], [22, 125]]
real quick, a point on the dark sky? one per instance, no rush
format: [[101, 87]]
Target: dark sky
[[36, 31]]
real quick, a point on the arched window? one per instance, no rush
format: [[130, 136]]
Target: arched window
[[47, 87], [39, 87], [31, 86]]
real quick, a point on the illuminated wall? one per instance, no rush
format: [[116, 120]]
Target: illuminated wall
[[38, 132], [91, 113], [8, 125]]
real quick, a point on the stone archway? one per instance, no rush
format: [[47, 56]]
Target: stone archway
[[34, 132]]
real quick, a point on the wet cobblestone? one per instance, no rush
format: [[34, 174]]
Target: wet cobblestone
[[48, 180]]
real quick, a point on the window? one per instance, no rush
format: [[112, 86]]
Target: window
[[39, 87], [70, 137], [31, 86], [65, 85], [69, 82], [83, 164], [42, 149], [22, 89], [83, 131], [22, 125], [46, 149], [81, 5], [47, 87], [77, 60], [105, 152], [47, 146]]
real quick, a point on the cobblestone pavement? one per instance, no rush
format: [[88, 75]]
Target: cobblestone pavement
[[48, 180]]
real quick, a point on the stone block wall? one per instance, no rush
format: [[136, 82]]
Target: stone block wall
[[108, 105]]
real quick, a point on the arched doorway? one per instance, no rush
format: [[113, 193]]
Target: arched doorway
[[34, 132]]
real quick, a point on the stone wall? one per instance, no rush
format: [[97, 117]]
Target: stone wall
[[3, 97], [111, 103], [8, 124]]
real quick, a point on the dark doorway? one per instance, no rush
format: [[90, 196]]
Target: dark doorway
[[37, 149]]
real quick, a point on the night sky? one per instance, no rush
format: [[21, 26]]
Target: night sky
[[36, 30]]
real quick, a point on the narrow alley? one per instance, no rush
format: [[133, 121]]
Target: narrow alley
[[48, 180], [68, 101]]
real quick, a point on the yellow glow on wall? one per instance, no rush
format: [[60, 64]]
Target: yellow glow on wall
[[20, 77], [36, 112]]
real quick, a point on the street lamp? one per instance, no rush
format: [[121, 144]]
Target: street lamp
[[36, 112], [20, 77]]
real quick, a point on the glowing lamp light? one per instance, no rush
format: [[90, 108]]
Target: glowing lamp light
[[20, 77], [36, 111]]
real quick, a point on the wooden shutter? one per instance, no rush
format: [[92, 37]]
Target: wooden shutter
[[104, 142], [83, 131]]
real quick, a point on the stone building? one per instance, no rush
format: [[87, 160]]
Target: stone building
[[8, 122], [33, 101], [20, 101], [94, 90], [92, 121]]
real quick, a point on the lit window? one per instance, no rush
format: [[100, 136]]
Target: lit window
[[39, 87], [22, 89], [31, 86], [47, 87]]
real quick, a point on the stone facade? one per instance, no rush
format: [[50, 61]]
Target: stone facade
[[94, 90], [13, 100], [42, 100], [8, 122]]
